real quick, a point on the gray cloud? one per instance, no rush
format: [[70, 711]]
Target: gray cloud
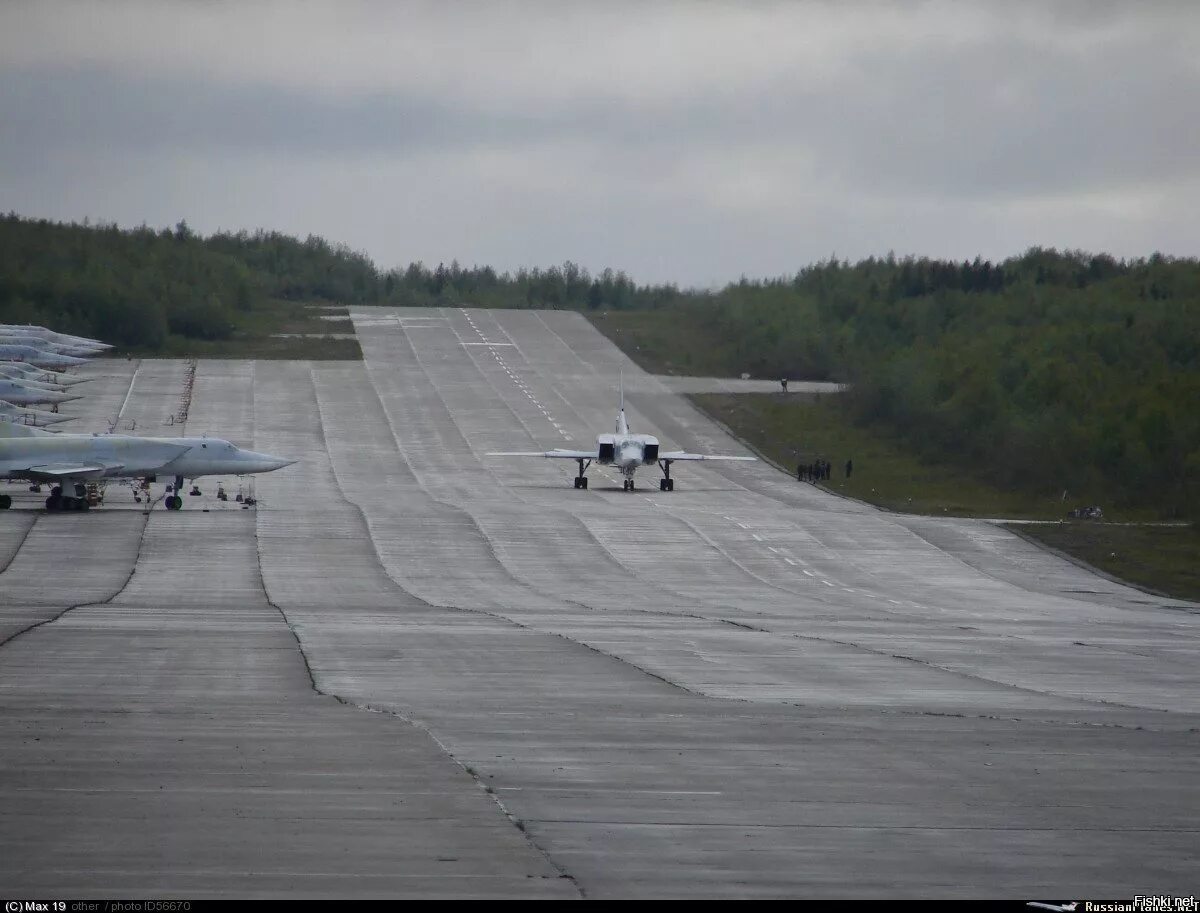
[[691, 142]]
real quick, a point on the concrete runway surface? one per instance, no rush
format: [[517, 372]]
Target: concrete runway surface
[[416, 670]]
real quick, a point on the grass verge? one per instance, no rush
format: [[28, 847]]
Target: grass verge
[[796, 428], [276, 329], [1162, 558], [666, 341]]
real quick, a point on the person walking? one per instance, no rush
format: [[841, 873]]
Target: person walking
[[783, 383], [849, 467]]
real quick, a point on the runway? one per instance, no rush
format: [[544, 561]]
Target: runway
[[417, 670]]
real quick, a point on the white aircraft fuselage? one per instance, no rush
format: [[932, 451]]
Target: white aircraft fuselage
[[52, 456], [624, 450]]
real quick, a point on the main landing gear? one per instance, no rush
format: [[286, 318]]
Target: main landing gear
[[173, 501], [581, 479], [629, 485], [68, 496], [666, 483]]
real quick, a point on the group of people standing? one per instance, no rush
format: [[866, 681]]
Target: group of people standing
[[820, 471]]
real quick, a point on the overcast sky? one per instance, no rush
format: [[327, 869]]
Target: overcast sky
[[690, 142]]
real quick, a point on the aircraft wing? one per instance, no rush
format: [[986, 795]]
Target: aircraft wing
[[553, 454], [680, 455], [52, 471]]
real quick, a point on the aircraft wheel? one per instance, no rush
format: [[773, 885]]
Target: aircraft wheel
[[5, 502], [53, 502], [662, 484], [176, 502], [670, 484], [577, 481], [583, 482]]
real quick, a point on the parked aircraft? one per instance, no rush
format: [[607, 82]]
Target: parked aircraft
[[26, 415], [22, 394], [45, 345], [70, 460], [7, 329], [44, 386], [626, 451], [22, 372], [39, 357]]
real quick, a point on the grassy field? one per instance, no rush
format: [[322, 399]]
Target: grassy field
[[261, 334], [666, 342], [793, 428], [1162, 558]]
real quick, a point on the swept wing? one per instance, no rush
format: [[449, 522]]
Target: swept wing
[[556, 454], [680, 455]]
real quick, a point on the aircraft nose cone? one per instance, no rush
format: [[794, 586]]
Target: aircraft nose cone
[[264, 462]]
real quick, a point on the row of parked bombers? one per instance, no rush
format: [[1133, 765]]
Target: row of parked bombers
[[34, 366]]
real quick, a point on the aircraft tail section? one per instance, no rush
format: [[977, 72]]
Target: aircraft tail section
[[622, 423]]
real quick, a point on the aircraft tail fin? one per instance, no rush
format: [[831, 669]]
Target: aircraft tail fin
[[622, 423]]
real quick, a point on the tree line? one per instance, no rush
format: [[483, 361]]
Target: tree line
[[136, 286], [1055, 370]]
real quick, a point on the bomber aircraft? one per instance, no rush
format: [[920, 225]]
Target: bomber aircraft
[[67, 461], [20, 371], [12, 329], [27, 415], [37, 356], [20, 393], [47, 346], [626, 451]]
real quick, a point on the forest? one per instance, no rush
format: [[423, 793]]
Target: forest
[[1061, 369]]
